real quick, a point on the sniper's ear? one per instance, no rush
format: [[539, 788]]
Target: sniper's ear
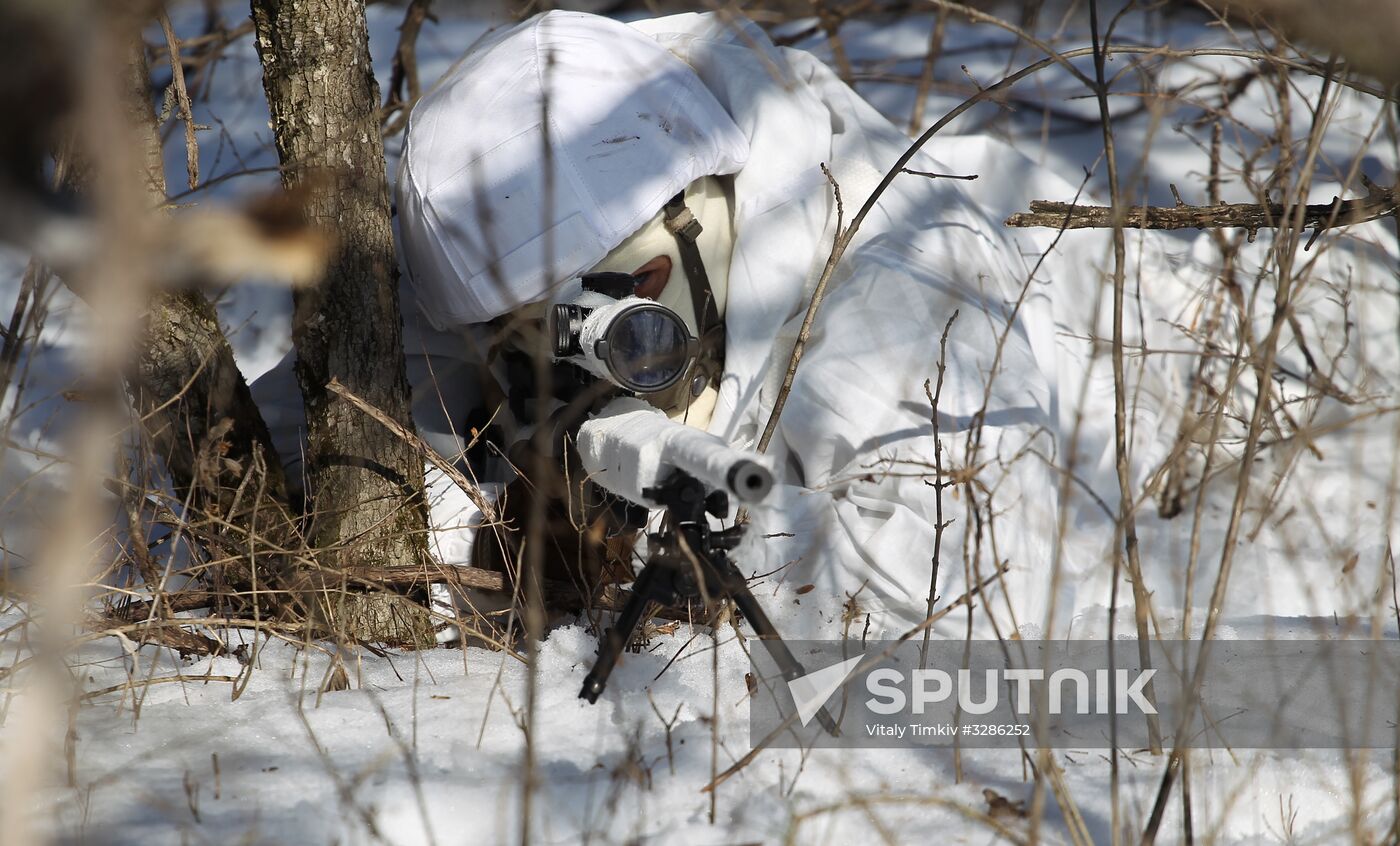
[[655, 274]]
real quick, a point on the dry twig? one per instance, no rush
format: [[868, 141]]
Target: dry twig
[[182, 98], [487, 508], [1378, 203], [1126, 517], [404, 88]]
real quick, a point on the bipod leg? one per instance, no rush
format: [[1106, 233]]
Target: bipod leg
[[646, 589], [737, 588]]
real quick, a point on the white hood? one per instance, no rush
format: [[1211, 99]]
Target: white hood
[[497, 206]]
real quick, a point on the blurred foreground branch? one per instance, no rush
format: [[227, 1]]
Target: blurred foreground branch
[[1363, 32]]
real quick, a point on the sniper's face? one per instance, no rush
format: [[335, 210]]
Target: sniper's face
[[652, 256], [637, 350]]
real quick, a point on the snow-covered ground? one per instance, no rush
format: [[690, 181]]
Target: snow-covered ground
[[428, 747]]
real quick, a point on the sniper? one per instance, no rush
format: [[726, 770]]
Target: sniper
[[599, 219]]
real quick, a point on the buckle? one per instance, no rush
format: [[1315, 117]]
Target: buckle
[[684, 224]]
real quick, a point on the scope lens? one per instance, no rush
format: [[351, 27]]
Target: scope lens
[[648, 349]]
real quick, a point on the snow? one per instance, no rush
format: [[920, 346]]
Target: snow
[[428, 747]]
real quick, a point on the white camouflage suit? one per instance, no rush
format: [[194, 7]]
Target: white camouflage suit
[[854, 513]]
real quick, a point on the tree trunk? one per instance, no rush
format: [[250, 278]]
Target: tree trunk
[[197, 406], [365, 484]]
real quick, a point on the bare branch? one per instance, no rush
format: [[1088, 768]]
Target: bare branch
[[965, 177], [182, 97], [1378, 203], [404, 88]]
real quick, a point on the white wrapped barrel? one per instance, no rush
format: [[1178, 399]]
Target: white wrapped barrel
[[631, 446]]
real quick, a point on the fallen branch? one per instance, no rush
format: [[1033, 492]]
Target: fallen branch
[[609, 597], [1378, 203], [399, 576], [173, 603], [159, 632]]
